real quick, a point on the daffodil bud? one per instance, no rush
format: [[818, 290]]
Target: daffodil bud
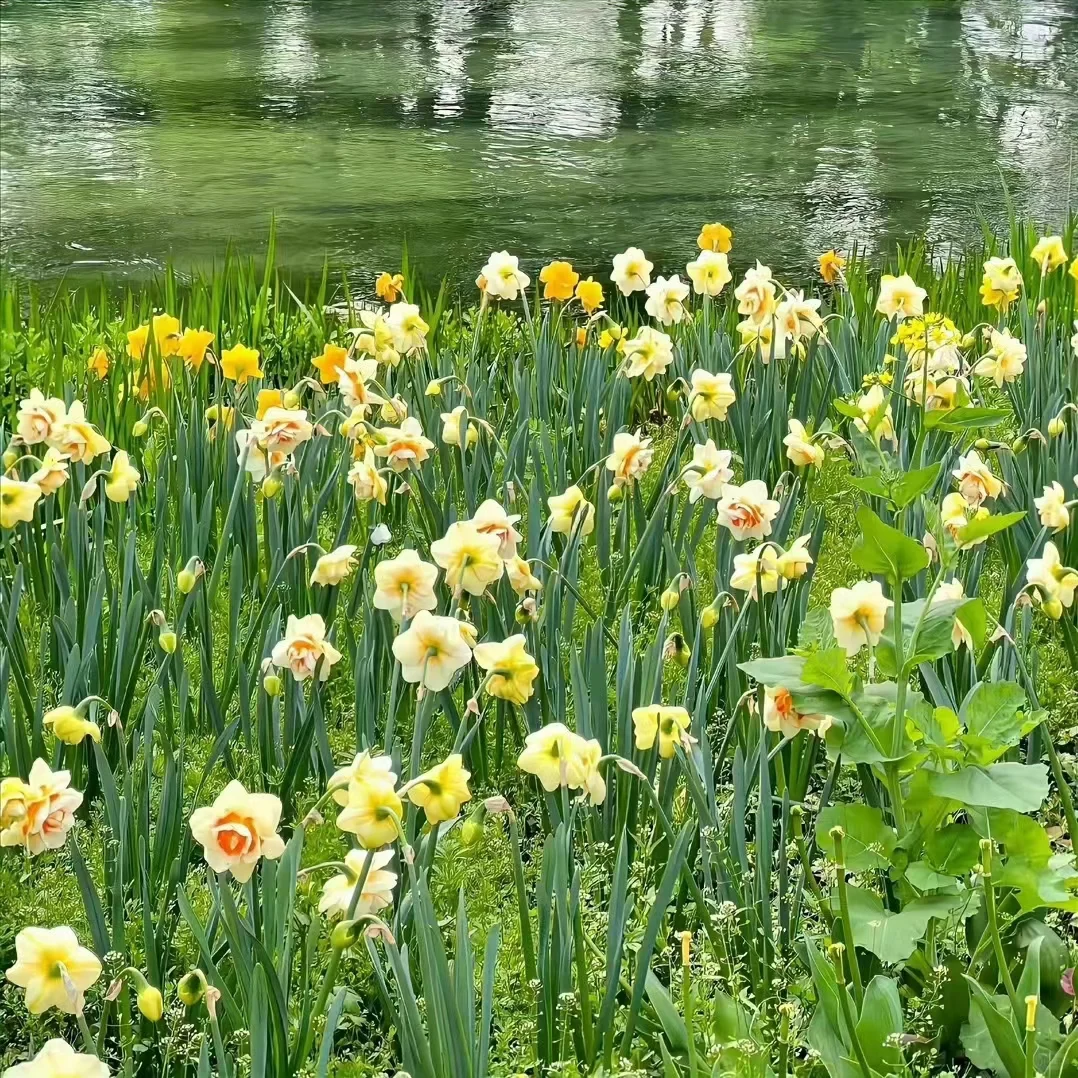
[[186, 579], [1053, 608], [669, 599], [676, 650], [344, 935], [1031, 1013], [168, 641], [271, 485], [709, 618], [614, 494], [1018, 445], [434, 388], [273, 684], [982, 444], [291, 399], [150, 1003], [192, 988], [672, 395], [471, 831], [10, 456], [140, 427], [1056, 426]]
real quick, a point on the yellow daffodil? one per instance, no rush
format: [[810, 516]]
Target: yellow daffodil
[[793, 562], [876, 417], [405, 585], [948, 591], [378, 887], [304, 643], [831, 266], [709, 273], [521, 578], [238, 829], [900, 297], [976, 483], [781, 716], [563, 509], [1056, 582], [166, 332], [648, 354], [52, 472], [501, 277], [219, 414], [388, 286], [747, 510], [53, 968], [407, 328], [1006, 359], [441, 791], [46, 811], [192, 347], [69, 726], [613, 334], [98, 363], [711, 395], [240, 363], [470, 558], [332, 568], [559, 279], [122, 478], [666, 723], [372, 813], [431, 651], [558, 757], [451, 423], [510, 668], [1052, 509], [708, 472], [955, 514], [403, 445], [76, 438], [1048, 253], [801, 451], [366, 770], [1001, 283], [329, 362], [858, 615], [632, 271], [17, 501], [757, 571], [715, 237], [590, 294], [367, 484], [629, 458]]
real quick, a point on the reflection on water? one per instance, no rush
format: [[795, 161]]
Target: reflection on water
[[132, 131]]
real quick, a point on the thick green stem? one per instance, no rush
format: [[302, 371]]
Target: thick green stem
[[839, 836], [993, 921]]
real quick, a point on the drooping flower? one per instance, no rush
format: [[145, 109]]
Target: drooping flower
[[240, 363], [708, 472], [1052, 509], [98, 363], [404, 444], [831, 266], [57, 1059], [1054, 580], [238, 829], [1048, 253], [801, 451], [470, 558], [76, 438], [948, 591], [709, 273], [666, 300], [337, 565], [510, 668], [558, 757], [431, 651], [858, 615], [1001, 283], [54, 969], [563, 510], [747, 510], [39, 417], [1006, 359], [405, 585], [304, 643], [976, 483], [559, 280], [794, 561], [329, 363], [900, 297], [408, 328], [45, 813], [451, 423], [629, 458], [372, 813], [364, 769], [377, 891], [632, 271], [781, 716], [366, 482], [17, 501], [648, 354], [52, 472], [756, 294], [715, 237], [757, 571], [192, 346], [491, 519], [711, 395], [441, 791], [876, 417], [69, 726], [122, 479], [501, 277], [590, 294], [521, 578], [388, 286], [666, 723]]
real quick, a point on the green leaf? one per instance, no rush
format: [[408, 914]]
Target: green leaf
[[993, 719], [983, 527], [1004, 1040], [926, 634], [880, 1024], [893, 937], [869, 841], [828, 670], [953, 849], [672, 1023], [965, 418], [911, 485], [885, 550], [1022, 787]]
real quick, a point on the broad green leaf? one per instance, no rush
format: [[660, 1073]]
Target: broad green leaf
[[1022, 787], [885, 550], [983, 527], [828, 670], [926, 634], [965, 418], [911, 485], [893, 937], [869, 841], [880, 1025], [953, 849], [989, 1022], [672, 1023], [992, 714]]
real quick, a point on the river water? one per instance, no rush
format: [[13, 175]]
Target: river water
[[135, 131]]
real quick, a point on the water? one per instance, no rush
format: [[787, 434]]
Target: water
[[135, 131]]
